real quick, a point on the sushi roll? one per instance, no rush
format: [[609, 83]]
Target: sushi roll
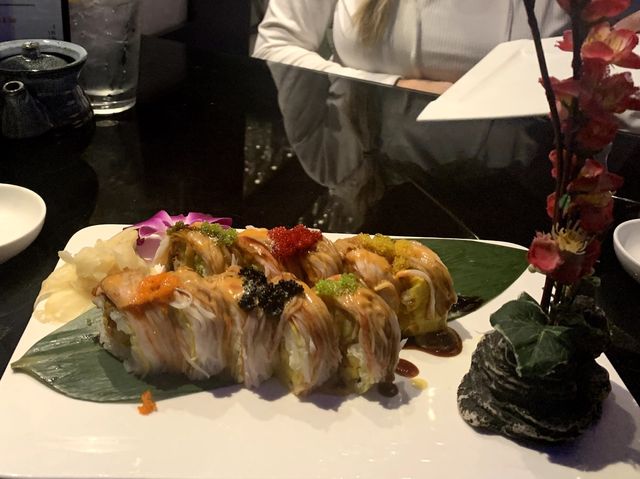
[[161, 324], [426, 288], [201, 246], [253, 248], [180, 323], [308, 350], [368, 333], [305, 253], [370, 267], [409, 276]]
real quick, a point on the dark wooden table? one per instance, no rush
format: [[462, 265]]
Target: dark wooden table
[[275, 145]]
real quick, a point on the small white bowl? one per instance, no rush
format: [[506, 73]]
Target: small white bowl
[[22, 215], [626, 244]]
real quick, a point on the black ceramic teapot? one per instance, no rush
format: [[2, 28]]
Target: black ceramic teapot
[[39, 87]]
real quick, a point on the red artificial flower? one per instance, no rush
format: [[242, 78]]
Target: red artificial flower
[[544, 253], [608, 94], [551, 205], [596, 134], [570, 271], [599, 9], [595, 219], [595, 10], [611, 46], [566, 256], [566, 44], [594, 178], [553, 157], [565, 92], [591, 255]]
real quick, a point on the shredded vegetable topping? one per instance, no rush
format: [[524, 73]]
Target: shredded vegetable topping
[[348, 283], [289, 242], [271, 297], [148, 404]]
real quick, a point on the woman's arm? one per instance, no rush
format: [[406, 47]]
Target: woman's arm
[[292, 32], [630, 22]]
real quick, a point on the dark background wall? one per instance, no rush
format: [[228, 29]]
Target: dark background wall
[[220, 25]]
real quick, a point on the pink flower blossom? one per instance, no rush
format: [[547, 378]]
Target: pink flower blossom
[[151, 230]]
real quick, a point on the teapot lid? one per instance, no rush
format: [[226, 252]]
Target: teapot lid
[[32, 59]]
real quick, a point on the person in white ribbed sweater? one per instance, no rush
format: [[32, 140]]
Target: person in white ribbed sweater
[[418, 44]]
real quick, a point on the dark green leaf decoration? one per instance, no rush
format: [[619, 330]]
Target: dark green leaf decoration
[[538, 346], [479, 269], [71, 361]]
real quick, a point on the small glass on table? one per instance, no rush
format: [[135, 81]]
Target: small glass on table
[[110, 32]]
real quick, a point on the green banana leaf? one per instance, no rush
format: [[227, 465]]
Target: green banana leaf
[[71, 361], [479, 269]]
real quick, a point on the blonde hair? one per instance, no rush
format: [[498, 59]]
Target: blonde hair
[[372, 19]]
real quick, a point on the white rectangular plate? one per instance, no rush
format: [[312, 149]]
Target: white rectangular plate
[[504, 84], [238, 433]]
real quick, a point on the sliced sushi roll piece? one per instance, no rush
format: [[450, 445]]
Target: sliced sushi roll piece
[[160, 324], [306, 253], [368, 332], [253, 248], [426, 287], [252, 336], [303, 252], [372, 268], [202, 247], [409, 276], [178, 322], [308, 350]]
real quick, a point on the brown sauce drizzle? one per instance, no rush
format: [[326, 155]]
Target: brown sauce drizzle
[[465, 305], [407, 369], [387, 389], [445, 343]]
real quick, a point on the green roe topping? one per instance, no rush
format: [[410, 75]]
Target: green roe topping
[[348, 283], [177, 226], [226, 236]]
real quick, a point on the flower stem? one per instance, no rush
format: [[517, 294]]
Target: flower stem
[[551, 97], [544, 71], [545, 302]]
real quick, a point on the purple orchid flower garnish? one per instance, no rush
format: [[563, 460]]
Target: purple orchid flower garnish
[[155, 228]]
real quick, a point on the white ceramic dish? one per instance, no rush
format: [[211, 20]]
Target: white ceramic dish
[[22, 215], [238, 433], [626, 244], [504, 84]]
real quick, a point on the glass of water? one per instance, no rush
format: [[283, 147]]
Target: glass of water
[[110, 32]]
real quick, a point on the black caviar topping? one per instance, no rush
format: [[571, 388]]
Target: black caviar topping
[[258, 292]]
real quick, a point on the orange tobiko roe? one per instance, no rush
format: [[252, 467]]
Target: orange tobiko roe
[[148, 404], [289, 242], [158, 287]]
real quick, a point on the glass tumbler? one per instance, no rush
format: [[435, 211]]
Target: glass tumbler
[[110, 32]]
